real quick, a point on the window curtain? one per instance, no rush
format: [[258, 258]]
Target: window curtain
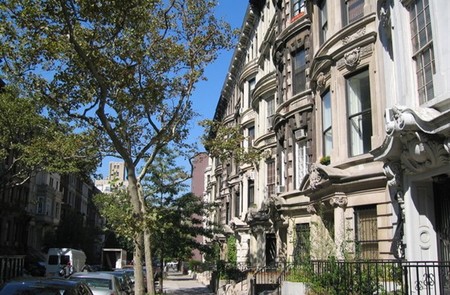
[[301, 162], [355, 122]]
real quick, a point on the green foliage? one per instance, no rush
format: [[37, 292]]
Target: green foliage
[[117, 209], [232, 250], [122, 70], [225, 143], [325, 160], [30, 142]]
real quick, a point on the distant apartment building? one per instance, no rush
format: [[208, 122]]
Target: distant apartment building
[[348, 103], [199, 165], [116, 178]]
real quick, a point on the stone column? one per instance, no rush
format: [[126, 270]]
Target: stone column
[[339, 202]]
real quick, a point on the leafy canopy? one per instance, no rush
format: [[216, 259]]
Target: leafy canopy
[[30, 142]]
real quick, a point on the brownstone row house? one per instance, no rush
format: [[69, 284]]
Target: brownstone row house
[[348, 102], [31, 213]]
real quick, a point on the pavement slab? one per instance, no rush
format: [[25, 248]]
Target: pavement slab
[[178, 283]]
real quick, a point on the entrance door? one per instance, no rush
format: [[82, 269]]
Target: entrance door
[[442, 208]]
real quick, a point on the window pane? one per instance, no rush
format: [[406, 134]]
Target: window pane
[[301, 162], [323, 21], [299, 76], [421, 40], [366, 232], [271, 177], [359, 113], [326, 124], [355, 10]]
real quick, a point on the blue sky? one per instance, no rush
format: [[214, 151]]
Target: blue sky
[[207, 93]]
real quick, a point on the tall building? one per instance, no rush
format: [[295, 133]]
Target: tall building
[[348, 103], [116, 178], [199, 165]]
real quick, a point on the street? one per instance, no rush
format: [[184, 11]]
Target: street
[[178, 284]]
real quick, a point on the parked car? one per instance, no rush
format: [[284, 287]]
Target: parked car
[[100, 283], [45, 286], [124, 279]]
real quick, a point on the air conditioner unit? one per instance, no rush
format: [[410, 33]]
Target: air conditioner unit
[[300, 134], [279, 189]]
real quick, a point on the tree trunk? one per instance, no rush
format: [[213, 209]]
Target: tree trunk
[[133, 191], [149, 263]]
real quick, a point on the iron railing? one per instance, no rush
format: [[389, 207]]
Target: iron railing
[[11, 267], [371, 277]]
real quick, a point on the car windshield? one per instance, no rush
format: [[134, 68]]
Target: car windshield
[[95, 282]]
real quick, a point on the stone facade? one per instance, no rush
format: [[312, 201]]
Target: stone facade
[[350, 112]]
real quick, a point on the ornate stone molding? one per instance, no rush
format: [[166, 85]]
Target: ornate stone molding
[[311, 209], [354, 36], [422, 153], [353, 57], [315, 177], [339, 201], [393, 171], [321, 81]]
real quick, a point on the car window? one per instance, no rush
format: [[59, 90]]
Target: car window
[[95, 282]]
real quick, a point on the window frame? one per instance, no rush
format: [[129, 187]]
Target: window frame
[[356, 104], [359, 5], [250, 192], [327, 129], [301, 162], [362, 236], [251, 87], [298, 71], [271, 176], [323, 21], [422, 49], [298, 9]]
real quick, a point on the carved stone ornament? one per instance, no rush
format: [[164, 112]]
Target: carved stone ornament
[[311, 209], [422, 153], [354, 36], [321, 81], [393, 171], [315, 177], [352, 58], [340, 201], [447, 145]]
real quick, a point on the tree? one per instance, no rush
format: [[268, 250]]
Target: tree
[[30, 142], [225, 142], [125, 69]]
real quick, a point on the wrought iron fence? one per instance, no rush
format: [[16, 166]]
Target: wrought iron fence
[[11, 267], [370, 277]]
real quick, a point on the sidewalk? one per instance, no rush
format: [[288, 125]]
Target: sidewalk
[[179, 284]]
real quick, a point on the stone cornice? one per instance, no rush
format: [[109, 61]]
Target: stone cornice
[[417, 138]]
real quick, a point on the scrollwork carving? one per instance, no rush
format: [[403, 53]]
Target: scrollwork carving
[[352, 58], [315, 177], [422, 153], [339, 201], [355, 36], [321, 81]]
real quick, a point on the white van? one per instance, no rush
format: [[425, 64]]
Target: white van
[[57, 258]]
